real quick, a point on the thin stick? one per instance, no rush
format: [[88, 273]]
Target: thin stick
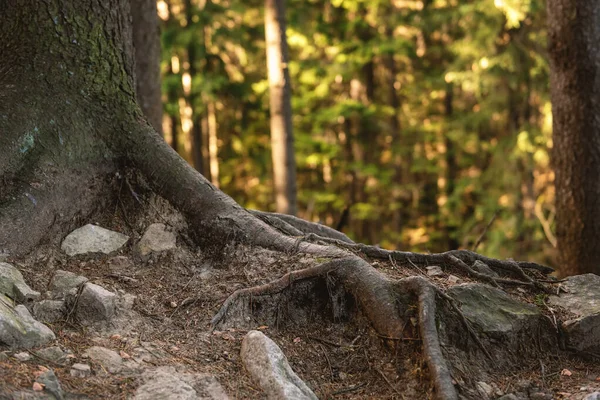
[[350, 389], [388, 382], [478, 242]]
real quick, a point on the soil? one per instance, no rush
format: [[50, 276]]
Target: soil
[[178, 292]]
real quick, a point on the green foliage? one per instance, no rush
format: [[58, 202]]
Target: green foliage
[[374, 131]]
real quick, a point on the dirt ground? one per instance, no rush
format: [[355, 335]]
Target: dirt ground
[[179, 291]]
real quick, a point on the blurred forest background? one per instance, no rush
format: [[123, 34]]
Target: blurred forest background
[[426, 120]]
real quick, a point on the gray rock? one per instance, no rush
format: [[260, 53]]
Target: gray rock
[[164, 383], [30, 395], [491, 309], [485, 390], [582, 299], [110, 360], [18, 329], [435, 271], [80, 370], [53, 353], [49, 311], [22, 356], [156, 239], [483, 268], [64, 282], [593, 396], [13, 285], [93, 239], [269, 368], [51, 384], [509, 396], [95, 304]]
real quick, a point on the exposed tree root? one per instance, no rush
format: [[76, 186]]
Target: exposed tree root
[[347, 281], [379, 299], [299, 227], [217, 219]]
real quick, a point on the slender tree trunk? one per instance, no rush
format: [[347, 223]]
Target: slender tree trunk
[[213, 143], [146, 42], [282, 137], [451, 167], [575, 90], [196, 131]]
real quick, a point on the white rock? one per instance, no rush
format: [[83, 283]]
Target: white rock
[[23, 356], [269, 368], [110, 360], [80, 370], [93, 239], [95, 304], [165, 383], [156, 239], [434, 271]]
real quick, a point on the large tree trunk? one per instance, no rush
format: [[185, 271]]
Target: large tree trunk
[[282, 137], [575, 90], [146, 41]]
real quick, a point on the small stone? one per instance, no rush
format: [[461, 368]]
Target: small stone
[[540, 396], [93, 239], [108, 359], [22, 356], [485, 390], [95, 304], [37, 387], [343, 376], [53, 353], [269, 368], [13, 285], [453, 279], [593, 396], [434, 271], [167, 384], [509, 396], [80, 370], [64, 281], [156, 239], [51, 384], [49, 311]]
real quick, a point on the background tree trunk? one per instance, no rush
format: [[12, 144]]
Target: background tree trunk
[[575, 91], [146, 41], [282, 137]]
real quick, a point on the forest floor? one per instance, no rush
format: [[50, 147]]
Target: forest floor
[[179, 291]]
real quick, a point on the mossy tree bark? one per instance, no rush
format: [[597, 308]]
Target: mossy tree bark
[[146, 41]]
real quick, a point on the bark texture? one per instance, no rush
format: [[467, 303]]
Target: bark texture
[[282, 136], [146, 41], [64, 90], [574, 47]]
